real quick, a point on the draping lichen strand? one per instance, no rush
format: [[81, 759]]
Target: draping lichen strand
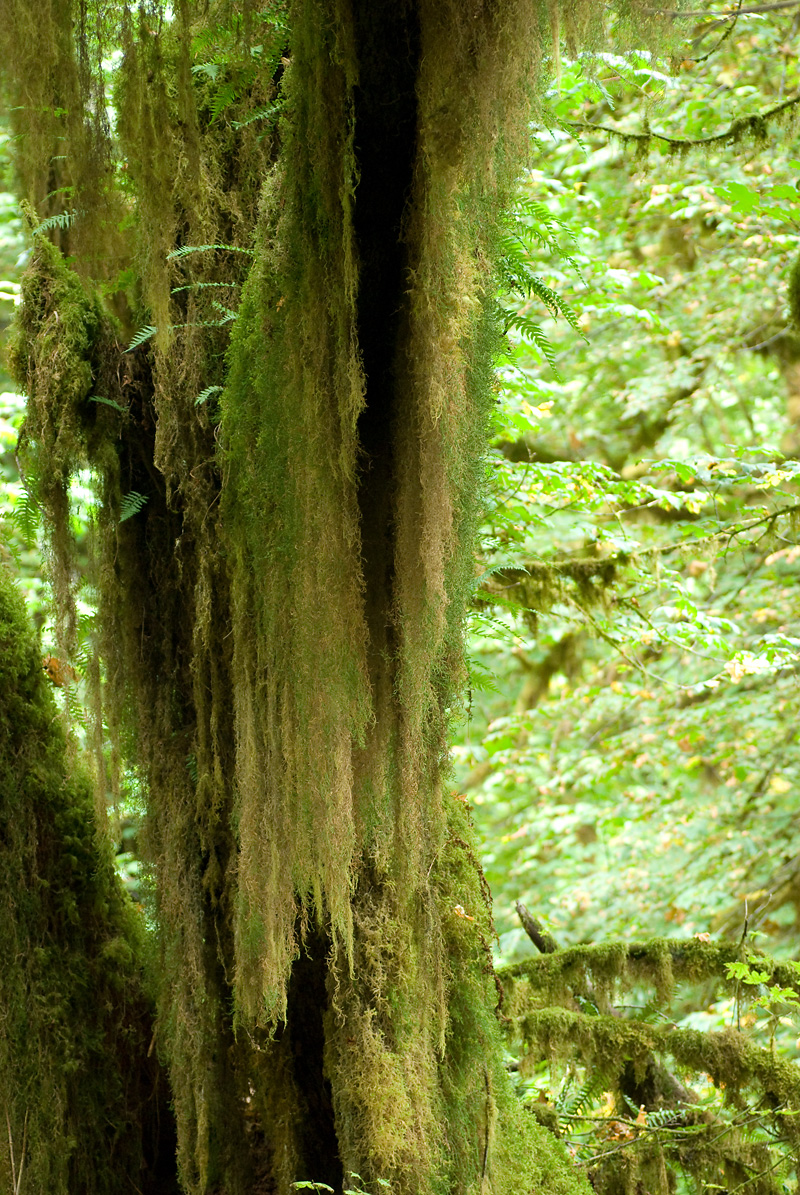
[[81, 1100], [161, 576], [58, 112], [293, 397], [166, 609]]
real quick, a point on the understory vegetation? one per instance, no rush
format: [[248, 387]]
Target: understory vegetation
[[321, 354]]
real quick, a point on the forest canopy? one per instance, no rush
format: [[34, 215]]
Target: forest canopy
[[342, 329]]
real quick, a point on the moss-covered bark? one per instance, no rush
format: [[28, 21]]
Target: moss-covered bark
[[84, 1107]]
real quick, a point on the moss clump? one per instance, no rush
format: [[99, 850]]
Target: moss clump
[[81, 1097], [50, 354]]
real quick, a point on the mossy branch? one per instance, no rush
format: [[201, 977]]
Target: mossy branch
[[729, 1057], [663, 962], [743, 128]]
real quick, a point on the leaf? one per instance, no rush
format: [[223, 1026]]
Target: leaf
[[739, 196], [141, 336], [210, 69], [131, 504], [109, 402]]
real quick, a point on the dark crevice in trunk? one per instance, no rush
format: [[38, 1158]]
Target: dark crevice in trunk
[[307, 1004], [386, 139]]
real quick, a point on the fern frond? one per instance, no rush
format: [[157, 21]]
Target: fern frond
[[662, 1118], [482, 623], [553, 302], [221, 307], [516, 277], [270, 113], [498, 567], [226, 95], [532, 331], [131, 504], [574, 1100], [108, 402], [185, 250], [480, 678], [26, 515], [210, 69], [206, 394], [141, 336], [201, 286], [61, 220]]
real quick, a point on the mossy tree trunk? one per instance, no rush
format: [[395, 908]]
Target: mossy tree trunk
[[83, 1105], [281, 619]]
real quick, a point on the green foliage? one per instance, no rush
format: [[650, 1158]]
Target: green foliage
[[652, 699], [131, 504], [61, 220], [142, 336], [279, 640], [632, 768]]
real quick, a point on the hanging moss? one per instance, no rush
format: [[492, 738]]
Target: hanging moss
[[354, 417], [82, 1100]]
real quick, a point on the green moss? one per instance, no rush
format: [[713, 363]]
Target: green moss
[[74, 1076], [282, 620]]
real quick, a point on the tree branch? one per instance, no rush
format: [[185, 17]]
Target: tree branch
[[743, 126]]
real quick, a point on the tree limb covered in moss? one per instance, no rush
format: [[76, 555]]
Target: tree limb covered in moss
[[662, 962], [729, 1057], [753, 9], [740, 129]]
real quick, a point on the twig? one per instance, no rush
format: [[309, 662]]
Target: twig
[[16, 1178], [544, 942]]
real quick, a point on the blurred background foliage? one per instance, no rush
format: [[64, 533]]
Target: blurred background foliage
[[628, 735], [629, 738]]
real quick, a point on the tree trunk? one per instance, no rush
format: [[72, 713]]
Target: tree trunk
[[83, 1101]]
